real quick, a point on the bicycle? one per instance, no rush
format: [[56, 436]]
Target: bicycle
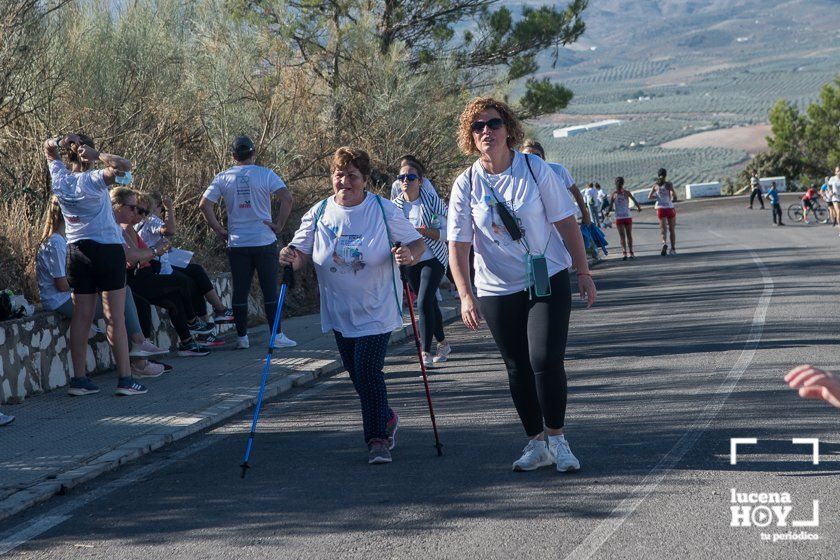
[[818, 212]]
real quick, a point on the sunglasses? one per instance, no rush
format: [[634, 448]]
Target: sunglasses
[[135, 208], [408, 177], [494, 124]]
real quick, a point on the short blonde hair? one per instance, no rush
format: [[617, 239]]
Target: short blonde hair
[[476, 106]]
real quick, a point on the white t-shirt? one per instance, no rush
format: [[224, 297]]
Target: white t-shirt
[[500, 262], [50, 263], [413, 212], [663, 196], [85, 204], [590, 195], [834, 185], [149, 231], [602, 195], [349, 246], [396, 189], [246, 190], [621, 202]]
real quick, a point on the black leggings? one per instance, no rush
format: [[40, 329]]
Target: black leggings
[[168, 292], [757, 193], [243, 262], [199, 284], [531, 336], [777, 213], [424, 279]]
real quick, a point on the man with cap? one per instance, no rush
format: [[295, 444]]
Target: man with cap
[[251, 234]]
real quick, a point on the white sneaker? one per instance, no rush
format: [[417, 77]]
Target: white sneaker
[[283, 341], [443, 351], [562, 455], [6, 419], [534, 456], [242, 342], [427, 360]]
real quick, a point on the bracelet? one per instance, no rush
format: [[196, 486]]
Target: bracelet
[[584, 274]]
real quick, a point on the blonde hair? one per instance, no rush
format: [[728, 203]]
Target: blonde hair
[[120, 195], [535, 146], [53, 219], [471, 111]]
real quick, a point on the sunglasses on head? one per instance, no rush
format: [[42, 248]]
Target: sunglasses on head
[[408, 177], [494, 124]]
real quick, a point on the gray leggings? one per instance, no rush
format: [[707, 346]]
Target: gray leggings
[[132, 322]]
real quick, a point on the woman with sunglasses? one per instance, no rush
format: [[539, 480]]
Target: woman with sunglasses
[[54, 290], [349, 238], [513, 209], [168, 292], [425, 210], [152, 228], [94, 253]]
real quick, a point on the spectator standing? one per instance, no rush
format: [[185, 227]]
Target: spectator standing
[[834, 183], [755, 184], [773, 197], [95, 260], [54, 290], [251, 236]]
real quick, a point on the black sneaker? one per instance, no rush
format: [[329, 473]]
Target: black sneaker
[[127, 387], [82, 386], [664, 250], [223, 316], [200, 327], [166, 367], [192, 350]]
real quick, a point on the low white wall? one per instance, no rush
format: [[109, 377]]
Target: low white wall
[[702, 190], [781, 183]]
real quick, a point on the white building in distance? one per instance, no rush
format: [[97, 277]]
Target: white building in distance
[[582, 128]]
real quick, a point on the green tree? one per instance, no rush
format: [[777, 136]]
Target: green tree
[[805, 145], [487, 45]]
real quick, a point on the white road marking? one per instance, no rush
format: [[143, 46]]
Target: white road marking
[[33, 528], [593, 542]]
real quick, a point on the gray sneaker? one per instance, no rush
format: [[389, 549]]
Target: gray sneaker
[[391, 428], [534, 456], [563, 457], [378, 452]]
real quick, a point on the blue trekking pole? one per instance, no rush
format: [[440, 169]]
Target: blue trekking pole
[[288, 280]]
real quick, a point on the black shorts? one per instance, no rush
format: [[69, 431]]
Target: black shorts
[[806, 202], [94, 267]]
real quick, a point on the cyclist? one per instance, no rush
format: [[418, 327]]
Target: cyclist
[[808, 201]]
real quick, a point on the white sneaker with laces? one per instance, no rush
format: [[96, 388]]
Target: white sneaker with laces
[[443, 351], [427, 360], [534, 456], [283, 341], [242, 342], [562, 454]]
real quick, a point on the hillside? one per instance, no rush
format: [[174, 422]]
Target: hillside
[[704, 65]]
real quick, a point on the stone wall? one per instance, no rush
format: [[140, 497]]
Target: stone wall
[[35, 354]]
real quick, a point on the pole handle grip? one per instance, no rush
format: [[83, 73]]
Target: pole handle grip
[[403, 268], [289, 273]]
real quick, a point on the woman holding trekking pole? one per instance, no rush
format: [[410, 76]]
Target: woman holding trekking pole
[[348, 237], [425, 210], [511, 207]]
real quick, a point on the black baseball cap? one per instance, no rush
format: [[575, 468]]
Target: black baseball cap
[[662, 172], [242, 146]]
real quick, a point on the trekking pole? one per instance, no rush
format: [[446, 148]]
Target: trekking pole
[[404, 278], [288, 280]]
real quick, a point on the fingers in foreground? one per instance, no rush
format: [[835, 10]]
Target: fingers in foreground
[[798, 371]]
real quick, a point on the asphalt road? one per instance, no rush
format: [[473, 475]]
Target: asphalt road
[[679, 355]]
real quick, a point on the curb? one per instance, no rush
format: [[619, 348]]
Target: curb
[[215, 414]]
